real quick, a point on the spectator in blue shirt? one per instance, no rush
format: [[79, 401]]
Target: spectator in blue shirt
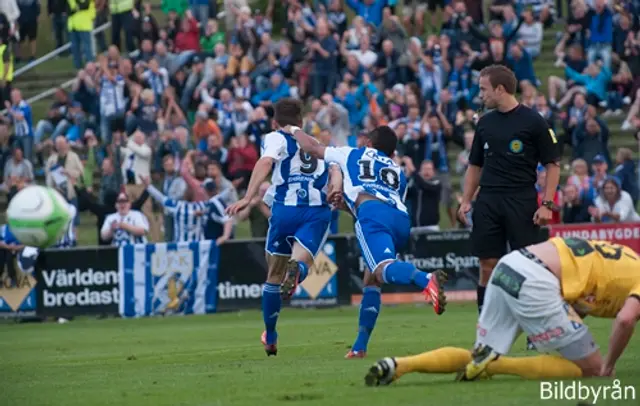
[[521, 64], [601, 33], [278, 89], [370, 10], [324, 51], [625, 172]]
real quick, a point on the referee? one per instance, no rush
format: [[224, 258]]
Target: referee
[[509, 143]]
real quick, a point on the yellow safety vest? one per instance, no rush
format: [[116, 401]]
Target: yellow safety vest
[[120, 6], [81, 20], [3, 48]]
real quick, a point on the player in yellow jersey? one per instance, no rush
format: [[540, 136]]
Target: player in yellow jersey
[[540, 290]]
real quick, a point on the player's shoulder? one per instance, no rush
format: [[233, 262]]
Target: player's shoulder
[[275, 135], [526, 114]]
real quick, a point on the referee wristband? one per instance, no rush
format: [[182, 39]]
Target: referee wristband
[[293, 129]]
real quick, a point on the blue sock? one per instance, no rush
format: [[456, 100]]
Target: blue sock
[[271, 303], [304, 271], [405, 273], [369, 310]]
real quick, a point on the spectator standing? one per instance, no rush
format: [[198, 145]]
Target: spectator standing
[[601, 33], [174, 187], [122, 20], [6, 71], [530, 33], [82, 13], [58, 11], [113, 104], [22, 119], [324, 50], [188, 216], [200, 10], [424, 190], [136, 165], [28, 23], [63, 168]]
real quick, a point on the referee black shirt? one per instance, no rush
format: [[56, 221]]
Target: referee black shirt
[[509, 146]]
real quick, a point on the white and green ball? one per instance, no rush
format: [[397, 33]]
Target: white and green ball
[[38, 216]]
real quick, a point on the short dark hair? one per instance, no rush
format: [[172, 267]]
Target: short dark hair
[[384, 139], [288, 111], [500, 75]]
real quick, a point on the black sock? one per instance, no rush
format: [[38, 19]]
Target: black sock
[[480, 299]]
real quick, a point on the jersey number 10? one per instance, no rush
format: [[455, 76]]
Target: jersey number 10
[[388, 176]]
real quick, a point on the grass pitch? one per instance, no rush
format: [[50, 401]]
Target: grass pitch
[[218, 360]]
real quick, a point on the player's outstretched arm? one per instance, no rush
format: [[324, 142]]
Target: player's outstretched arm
[[308, 144], [334, 195], [261, 170], [623, 328]]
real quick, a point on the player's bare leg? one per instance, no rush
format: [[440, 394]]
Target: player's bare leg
[[271, 301], [296, 270]]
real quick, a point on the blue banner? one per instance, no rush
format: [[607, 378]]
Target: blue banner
[[168, 278], [17, 283]]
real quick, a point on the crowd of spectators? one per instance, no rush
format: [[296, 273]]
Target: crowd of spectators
[[186, 102]]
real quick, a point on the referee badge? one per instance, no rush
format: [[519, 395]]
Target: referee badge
[[516, 146]]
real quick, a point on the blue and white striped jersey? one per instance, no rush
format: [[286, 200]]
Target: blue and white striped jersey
[[298, 179], [68, 239], [188, 219], [216, 218], [112, 96], [366, 170]]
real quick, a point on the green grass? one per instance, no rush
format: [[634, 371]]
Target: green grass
[[218, 360]]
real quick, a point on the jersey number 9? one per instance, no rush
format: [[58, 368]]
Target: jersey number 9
[[309, 164], [388, 176]]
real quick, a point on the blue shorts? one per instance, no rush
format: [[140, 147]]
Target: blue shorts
[[381, 230], [307, 225]]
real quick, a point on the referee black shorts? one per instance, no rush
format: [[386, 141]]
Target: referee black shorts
[[500, 219]]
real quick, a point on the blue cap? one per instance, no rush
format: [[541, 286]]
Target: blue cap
[[541, 168], [209, 185], [598, 159]]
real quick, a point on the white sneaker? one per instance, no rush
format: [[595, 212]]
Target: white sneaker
[[626, 126], [626, 100], [607, 113], [618, 113], [603, 104]]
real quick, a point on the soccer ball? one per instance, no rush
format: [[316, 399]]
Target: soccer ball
[[38, 216]]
